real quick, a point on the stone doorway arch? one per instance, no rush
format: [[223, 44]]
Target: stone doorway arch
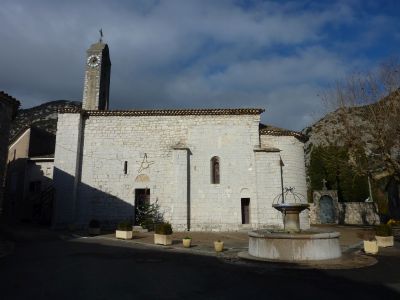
[[326, 210]]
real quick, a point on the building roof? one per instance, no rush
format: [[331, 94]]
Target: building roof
[[276, 131], [166, 112], [6, 98], [41, 142]]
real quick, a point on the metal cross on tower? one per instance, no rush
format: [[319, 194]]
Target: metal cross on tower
[[101, 35]]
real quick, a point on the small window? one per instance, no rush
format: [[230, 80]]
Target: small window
[[215, 174], [125, 167]]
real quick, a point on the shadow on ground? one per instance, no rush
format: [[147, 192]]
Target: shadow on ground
[[94, 269]]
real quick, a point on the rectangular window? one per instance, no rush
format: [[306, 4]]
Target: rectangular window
[[125, 167], [215, 170]]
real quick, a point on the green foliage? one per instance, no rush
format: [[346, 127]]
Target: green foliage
[[187, 238], [163, 228], [332, 163], [383, 230], [366, 235], [148, 214], [94, 223], [125, 225]]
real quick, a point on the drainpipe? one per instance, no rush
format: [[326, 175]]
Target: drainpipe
[[282, 165]]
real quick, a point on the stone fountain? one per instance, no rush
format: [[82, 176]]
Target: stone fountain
[[292, 244]]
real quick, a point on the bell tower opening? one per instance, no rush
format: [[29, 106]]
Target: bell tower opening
[[96, 88]]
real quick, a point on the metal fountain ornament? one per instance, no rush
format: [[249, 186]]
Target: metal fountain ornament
[[290, 210], [290, 204]]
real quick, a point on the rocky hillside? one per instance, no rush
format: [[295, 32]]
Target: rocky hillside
[[43, 116], [328, 130]]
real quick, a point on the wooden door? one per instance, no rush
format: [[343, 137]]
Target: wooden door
[[245, 210]]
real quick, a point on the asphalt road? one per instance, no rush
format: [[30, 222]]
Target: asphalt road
[[88, 269]]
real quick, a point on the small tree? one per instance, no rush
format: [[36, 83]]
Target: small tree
[[148, 214], [368, 107]]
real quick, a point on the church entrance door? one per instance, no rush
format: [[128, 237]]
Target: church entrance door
[[142, 197], [245, 210]]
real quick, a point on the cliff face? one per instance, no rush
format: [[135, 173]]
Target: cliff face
[[43, 116], [369, 123]]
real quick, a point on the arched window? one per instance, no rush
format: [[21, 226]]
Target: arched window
[[215, 170]]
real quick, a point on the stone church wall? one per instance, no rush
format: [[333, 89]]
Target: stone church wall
[[294, 173], [152, 146], [171, 156]]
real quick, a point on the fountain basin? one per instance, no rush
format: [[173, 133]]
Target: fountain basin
[[300, 246]]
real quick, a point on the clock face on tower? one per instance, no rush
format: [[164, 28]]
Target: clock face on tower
[[93, 61]]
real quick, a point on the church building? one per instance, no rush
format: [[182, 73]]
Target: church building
[[208, 169]]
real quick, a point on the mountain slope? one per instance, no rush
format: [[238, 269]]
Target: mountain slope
[[43, 116]]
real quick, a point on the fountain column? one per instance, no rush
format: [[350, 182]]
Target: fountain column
[[291, 221], [290, 212]]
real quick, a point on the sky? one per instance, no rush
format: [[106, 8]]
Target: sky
[[276, 55]]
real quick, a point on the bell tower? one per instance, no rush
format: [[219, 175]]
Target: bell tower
[[97, 77]]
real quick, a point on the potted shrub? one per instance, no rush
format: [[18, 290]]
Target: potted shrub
[[219, 246], [187, 241], [384, 236], [162, 235], [94, 227], [370, 244], [124, 230]]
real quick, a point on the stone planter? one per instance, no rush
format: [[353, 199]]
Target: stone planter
[[218, 246], [187, 243], [122, 234], [162, 239], [94, 230], [384, 241], [371, 247]]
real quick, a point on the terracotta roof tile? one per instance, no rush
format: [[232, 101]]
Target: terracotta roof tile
[[276, 131], [166, 112]]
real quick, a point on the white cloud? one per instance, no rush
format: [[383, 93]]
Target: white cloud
[[183, 53]]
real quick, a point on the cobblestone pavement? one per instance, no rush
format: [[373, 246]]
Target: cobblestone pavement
[[237, 243]]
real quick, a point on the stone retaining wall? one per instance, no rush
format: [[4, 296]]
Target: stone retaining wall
[[351, 213]]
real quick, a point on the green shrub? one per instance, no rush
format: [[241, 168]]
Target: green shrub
[[146, 215], [125, 225], [163, 228], [383, 230], [94, 224], [148, 224], [332, 163], [366, 235], [187, 238]]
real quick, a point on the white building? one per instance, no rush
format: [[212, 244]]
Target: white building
[[208, 169]]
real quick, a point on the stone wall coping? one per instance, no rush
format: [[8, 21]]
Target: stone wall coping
[[165, 112], [307, 234]]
